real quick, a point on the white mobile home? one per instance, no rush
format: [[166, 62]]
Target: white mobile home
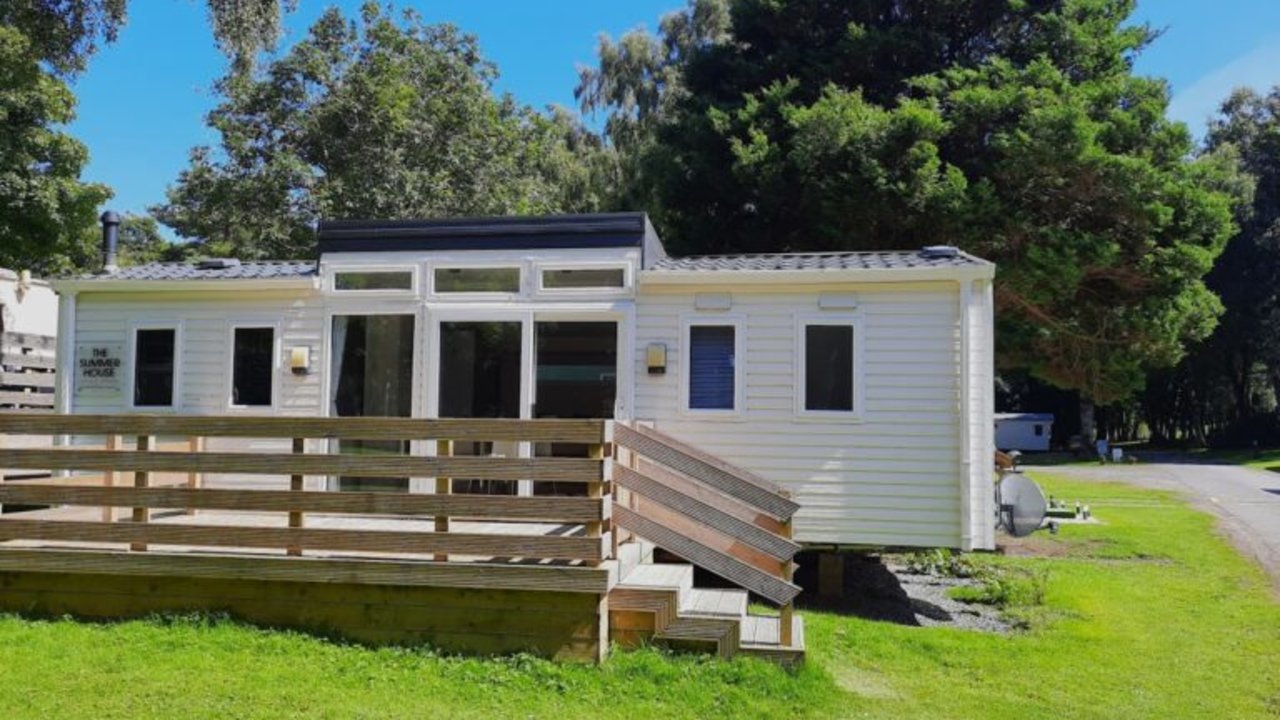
[[860, 382], [1029, 432]]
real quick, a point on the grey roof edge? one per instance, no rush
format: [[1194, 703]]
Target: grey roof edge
[[245, 273], [823, 262]]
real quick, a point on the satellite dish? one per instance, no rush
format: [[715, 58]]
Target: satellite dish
[[1022, 505]]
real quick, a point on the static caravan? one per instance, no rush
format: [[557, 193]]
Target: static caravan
[[860, 382], [1028, 432]]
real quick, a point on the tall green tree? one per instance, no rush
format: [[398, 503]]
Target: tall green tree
[[1016, 130], [1236, 372], [383, 117], [44, 206]]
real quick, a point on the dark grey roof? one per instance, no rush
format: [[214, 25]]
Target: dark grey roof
[[820, 261], [485, 233], [245, 270]]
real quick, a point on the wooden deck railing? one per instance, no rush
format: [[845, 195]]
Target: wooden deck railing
[[713, 514], [437, 539], [26, 371]]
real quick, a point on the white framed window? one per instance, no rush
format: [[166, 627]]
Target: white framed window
[[593, 280], [254, 365], [829, 366], [154, 375], [374, 280], [497, 280], [712, 365]]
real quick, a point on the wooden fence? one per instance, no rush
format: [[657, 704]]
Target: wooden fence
[[125, 480], [27, 365]]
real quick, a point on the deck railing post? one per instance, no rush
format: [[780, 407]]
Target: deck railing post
[[141, 479], [109, 480], [296, 485], [195, 444], [785, 621], [598, 451], [444, 486]]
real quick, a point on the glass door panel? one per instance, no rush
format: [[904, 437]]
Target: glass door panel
[[372, 375], [575, 376], [480, 374]]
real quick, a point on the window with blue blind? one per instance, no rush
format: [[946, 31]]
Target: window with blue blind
[[712, 372]]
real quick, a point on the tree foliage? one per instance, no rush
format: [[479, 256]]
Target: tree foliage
[[1232, 381], [380, 118], [1015, 130], [66, 33], [47, 214], [44, 206]]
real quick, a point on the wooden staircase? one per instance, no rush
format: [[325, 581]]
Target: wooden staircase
[[716, 517], [658, 603]]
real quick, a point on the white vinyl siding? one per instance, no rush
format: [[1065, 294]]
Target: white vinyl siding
[[203, 361], [203, 366], [890, 477]]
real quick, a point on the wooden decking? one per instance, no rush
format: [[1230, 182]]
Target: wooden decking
[[130, 527]]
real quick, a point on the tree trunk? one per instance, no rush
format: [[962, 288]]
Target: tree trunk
[[1088, 430]]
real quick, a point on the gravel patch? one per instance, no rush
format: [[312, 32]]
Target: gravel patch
[[933, 607]]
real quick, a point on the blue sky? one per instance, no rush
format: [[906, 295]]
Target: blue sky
[[143, 100]]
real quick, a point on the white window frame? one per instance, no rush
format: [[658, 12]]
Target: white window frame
[[624, 291], [802, 324], [521, 267], [687, 323], [177, 327], [331, 283], [277, 360]]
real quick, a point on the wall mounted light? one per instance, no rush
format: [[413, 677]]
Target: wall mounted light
[[655, 357], [300, 360]]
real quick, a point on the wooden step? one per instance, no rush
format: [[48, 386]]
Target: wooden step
[[760, 638], [722, 632], [659, 576], [717, 603]]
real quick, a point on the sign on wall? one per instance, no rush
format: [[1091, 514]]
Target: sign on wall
[[99, 368]]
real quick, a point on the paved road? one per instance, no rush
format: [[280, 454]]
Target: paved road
[[1247, 501]]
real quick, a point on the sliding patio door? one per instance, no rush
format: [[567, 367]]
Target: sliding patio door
[[481, 370], [371, 374], [527, 366]]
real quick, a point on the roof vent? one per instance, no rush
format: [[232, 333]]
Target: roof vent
[[938, 252], [218, 264]]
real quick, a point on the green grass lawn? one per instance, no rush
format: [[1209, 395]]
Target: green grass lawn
[[1148, 615]]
